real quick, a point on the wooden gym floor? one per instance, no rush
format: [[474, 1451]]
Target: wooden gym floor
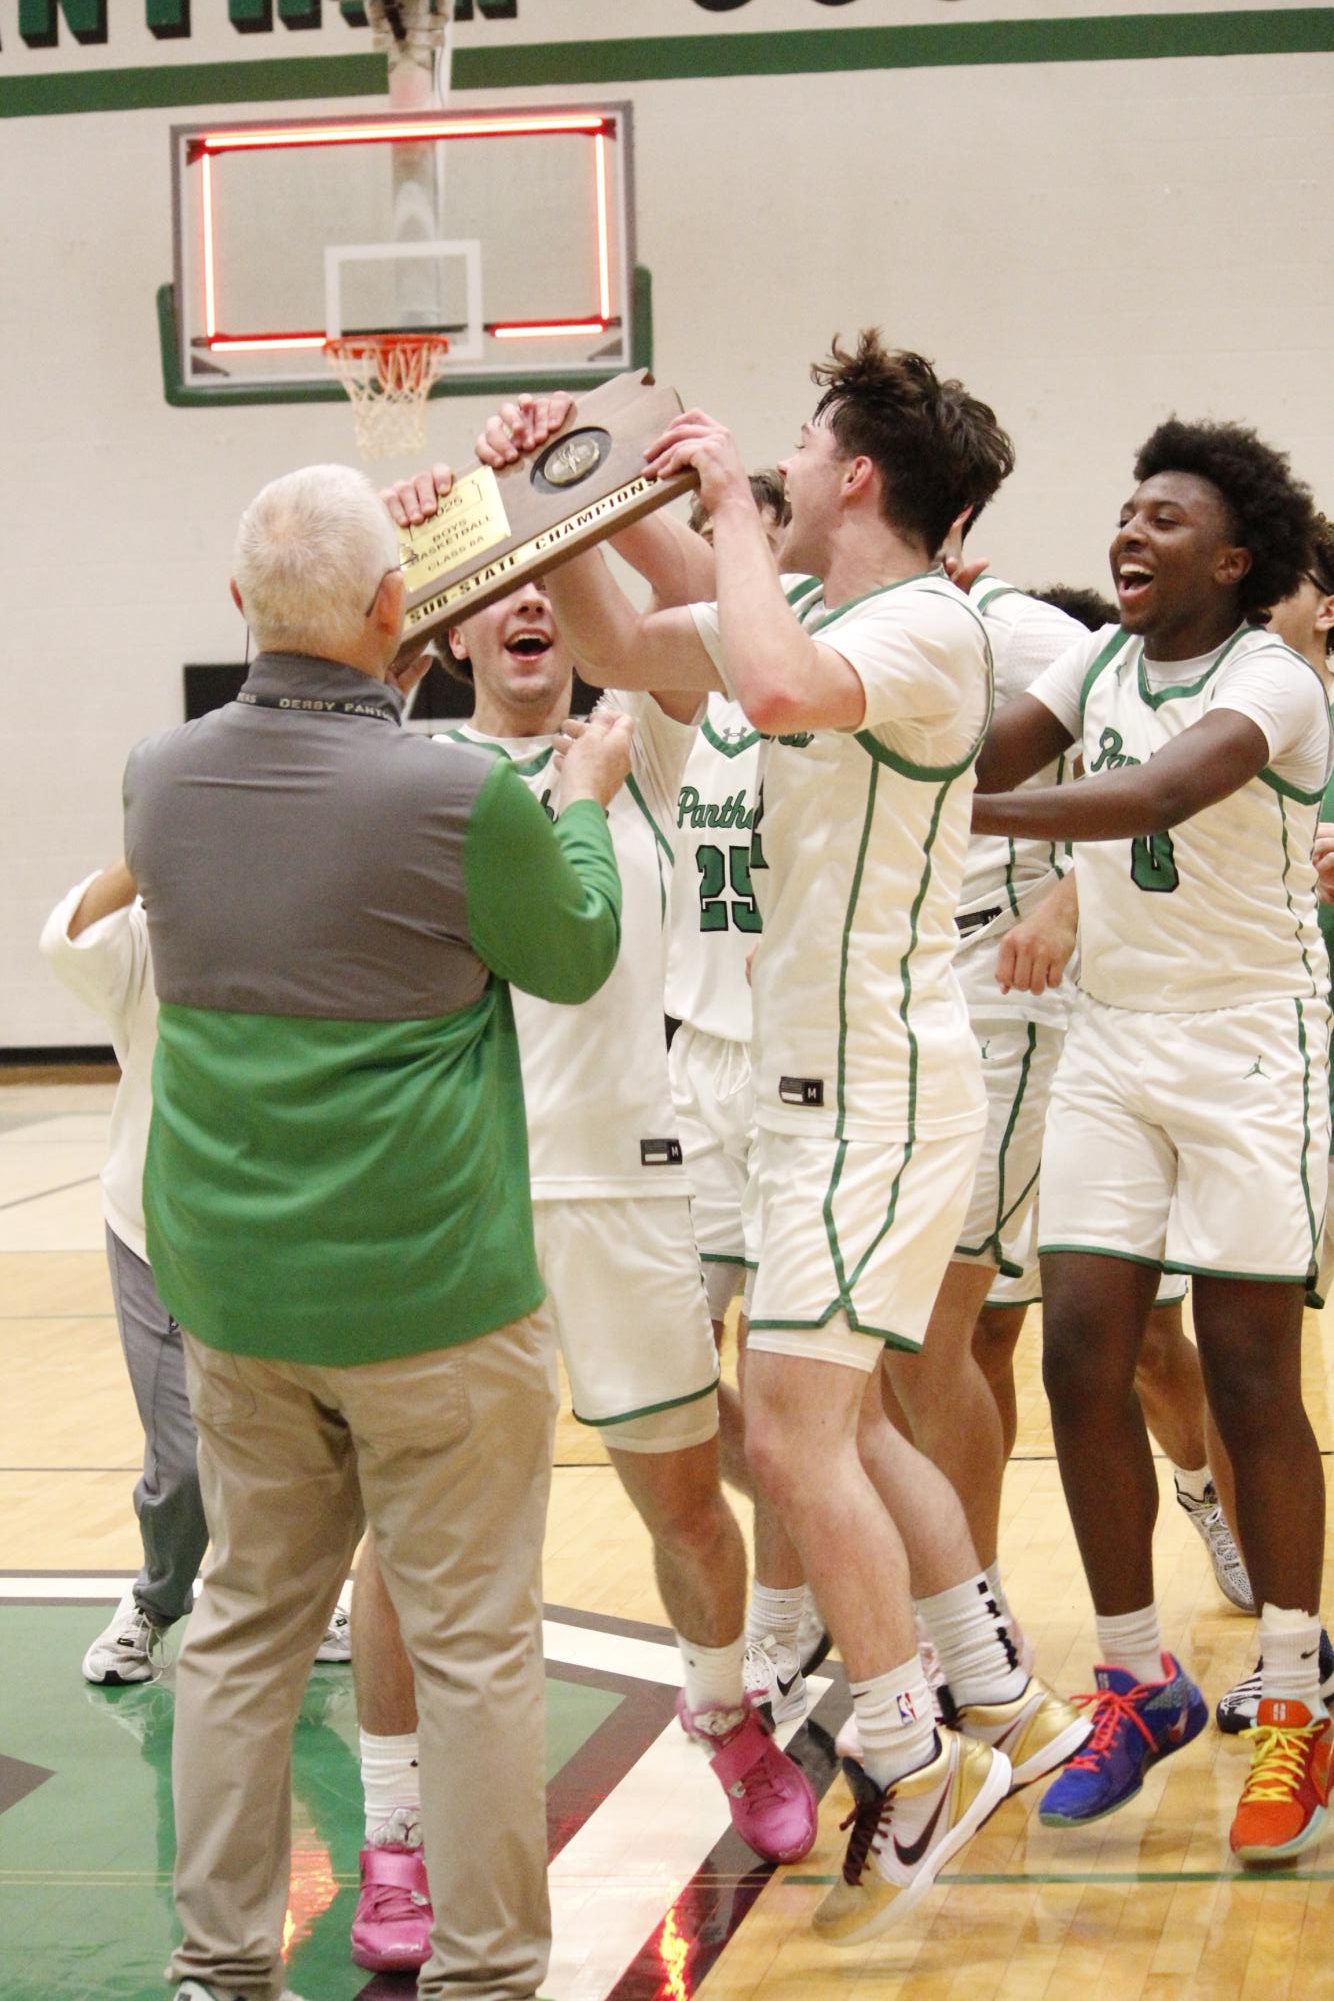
[[652, 1897]]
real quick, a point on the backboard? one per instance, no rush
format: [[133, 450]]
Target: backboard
[[509, 231]]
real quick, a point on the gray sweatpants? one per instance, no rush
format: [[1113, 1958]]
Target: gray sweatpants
[[166, 1499]]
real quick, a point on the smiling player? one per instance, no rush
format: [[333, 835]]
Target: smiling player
[[1189, 1122]]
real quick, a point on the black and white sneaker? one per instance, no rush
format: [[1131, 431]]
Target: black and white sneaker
[[1210, 1524], [1238, 1709], [774, 1680], [128, 1650]]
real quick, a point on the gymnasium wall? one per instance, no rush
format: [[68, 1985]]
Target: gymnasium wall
[[1094, 213]]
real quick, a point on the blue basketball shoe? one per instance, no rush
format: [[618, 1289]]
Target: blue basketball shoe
[[1134, 1725]]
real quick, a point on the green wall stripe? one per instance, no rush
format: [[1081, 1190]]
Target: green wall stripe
[[805, 51], [1252, 31], [273, 82]]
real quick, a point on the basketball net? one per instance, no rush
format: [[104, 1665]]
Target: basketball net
[[388, 378]]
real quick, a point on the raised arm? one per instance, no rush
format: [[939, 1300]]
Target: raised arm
[[783, 679], [618, 646], [1212, 759]]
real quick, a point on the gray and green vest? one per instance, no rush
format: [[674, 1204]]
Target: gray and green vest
[[337, 1167]]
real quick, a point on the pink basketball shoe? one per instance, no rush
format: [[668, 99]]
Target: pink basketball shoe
[[391, 1932], [769, 1796]]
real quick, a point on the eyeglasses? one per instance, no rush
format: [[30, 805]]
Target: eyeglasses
[[376, 592]]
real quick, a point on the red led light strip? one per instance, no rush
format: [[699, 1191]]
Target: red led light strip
[[547, 329], [211, 145], [388, 133]]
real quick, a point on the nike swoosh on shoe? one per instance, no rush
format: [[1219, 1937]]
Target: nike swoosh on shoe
[[913, 1853]]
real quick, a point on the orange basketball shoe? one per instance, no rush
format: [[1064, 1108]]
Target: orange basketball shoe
[[1284, 1800]]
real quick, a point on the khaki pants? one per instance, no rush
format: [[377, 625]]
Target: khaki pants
[[450, 1451]]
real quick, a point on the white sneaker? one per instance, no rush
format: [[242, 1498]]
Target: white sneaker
[[337, 1642], [1206, 1517], [903, 1836], [774, 1681], [129, 1649]]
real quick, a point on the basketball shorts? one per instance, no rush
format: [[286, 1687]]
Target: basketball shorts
[[853, 1240], [715, 1105], [1026, 1289], [1194, 1142], [1018, 1064], [626, 1299]]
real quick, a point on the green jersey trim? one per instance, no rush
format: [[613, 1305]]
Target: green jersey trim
[[525, 767], [722, 1257], [1102, 658], [844, 951], [1154, 698], [633, 789], [807, 587], [923, 774], [1287, 897], [997, 591], [1305, 1054], [648, 1409], [827, 616], [725, 749], [905, 964], [1288, 791], [1010, 868]]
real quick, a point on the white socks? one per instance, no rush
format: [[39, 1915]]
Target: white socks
[[895, 1722], [391, 1785], [1193, 1486], [1133, 1642], [1290, 1657], [713, 1676], [978, 1655], [775, 1613]]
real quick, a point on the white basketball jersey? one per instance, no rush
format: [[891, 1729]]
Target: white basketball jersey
[[715, 920], [600, 1115], [857, 860], [1220, 911], [1006, 878]]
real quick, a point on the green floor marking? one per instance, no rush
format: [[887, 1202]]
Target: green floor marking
[[85, 1857]]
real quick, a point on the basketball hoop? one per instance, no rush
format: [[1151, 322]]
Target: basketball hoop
[[388, 378]]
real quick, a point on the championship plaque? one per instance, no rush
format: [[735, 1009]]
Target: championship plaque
[[494, 530]]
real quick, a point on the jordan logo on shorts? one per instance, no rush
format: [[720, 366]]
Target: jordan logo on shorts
[[801, 1090]]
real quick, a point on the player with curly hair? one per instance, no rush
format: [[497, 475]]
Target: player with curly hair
[[1189, 1118]]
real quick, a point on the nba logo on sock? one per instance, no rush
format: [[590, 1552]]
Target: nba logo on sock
[[907, 1714]]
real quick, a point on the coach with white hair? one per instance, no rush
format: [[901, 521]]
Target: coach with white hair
[[337, 1208]]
